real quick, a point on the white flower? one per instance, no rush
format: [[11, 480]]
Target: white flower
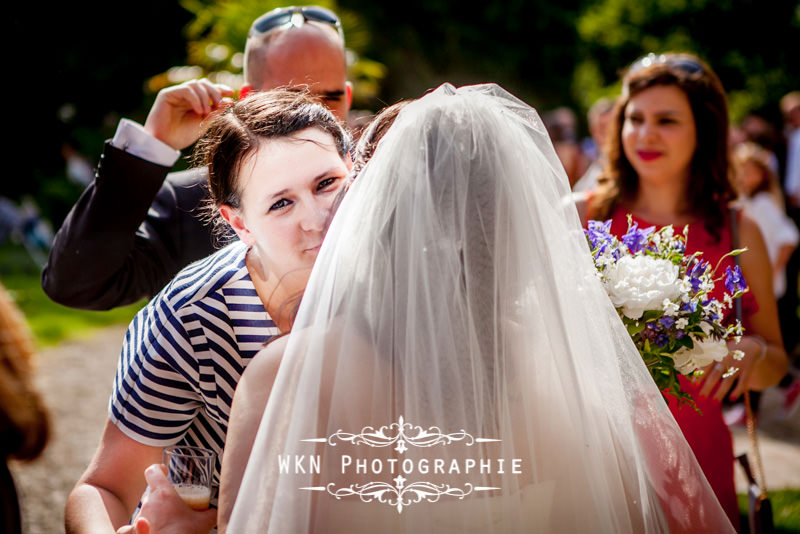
[[669, 307], [639, 283], [656, 239], [604, 260], [686, 287], [727, 300], [681, 323], [705, 351]]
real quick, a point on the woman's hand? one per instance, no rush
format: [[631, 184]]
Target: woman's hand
[[164, 512], [717, 375]]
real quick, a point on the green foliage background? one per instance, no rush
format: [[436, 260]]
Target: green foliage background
[[76, 69]]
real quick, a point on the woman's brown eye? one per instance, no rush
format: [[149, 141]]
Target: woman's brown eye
[[325, 183], [282, 203]]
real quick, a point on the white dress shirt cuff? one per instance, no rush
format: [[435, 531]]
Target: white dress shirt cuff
[[132, 137]]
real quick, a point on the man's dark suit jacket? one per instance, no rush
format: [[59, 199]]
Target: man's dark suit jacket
[[129, 234]]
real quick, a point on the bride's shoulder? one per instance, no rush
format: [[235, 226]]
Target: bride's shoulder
[[265, 363]]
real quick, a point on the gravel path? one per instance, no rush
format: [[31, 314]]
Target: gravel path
[[76, 378]]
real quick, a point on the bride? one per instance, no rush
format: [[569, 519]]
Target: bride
[[455, 365]]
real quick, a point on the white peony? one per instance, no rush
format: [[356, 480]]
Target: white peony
[[639, 283], [705, 352]]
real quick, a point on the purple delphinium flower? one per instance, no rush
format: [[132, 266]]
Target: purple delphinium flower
[[649, 333], [690, 306], [599, 234], [714, 316], [662, 339], [635, 239], [667, 322], [695, 271], [734, 281]]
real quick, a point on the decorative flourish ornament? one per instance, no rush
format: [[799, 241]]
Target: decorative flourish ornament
[[403, 434]]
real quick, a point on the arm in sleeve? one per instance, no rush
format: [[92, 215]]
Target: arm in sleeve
[[129, 234], [156, 395]]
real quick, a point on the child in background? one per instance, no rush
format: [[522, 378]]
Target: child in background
[[760, 195]]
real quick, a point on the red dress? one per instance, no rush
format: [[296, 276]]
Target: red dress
[[707, 434]]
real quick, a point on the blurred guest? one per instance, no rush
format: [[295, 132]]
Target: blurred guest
[[23, 224], [24, 421], [79, 170], [561, 125], [760, 194], [758, 129], [788, 304], [599, 117], [790, 108]]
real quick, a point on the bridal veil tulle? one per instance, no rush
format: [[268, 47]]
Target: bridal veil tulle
[[455, 365]]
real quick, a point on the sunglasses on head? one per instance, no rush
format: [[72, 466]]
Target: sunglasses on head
[[295, 16], [685, 64]]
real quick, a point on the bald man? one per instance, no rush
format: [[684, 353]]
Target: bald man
[[309, 54], [137, 224]]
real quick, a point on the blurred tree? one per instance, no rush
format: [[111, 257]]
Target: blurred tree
[[75, 69], [83, 68], [756, 59], [218, 33], [527, 46]]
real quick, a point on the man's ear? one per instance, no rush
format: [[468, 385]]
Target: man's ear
[[234, 218], [348, 89], [245, 90]]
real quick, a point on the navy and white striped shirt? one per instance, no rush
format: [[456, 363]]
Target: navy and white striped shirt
[[185, 352]]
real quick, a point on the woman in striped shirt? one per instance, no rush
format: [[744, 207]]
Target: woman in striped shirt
[[276, 161]]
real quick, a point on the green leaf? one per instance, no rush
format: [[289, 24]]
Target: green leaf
[[652, 315], [635, 328]]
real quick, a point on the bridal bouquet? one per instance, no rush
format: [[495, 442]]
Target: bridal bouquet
[[663, 298]]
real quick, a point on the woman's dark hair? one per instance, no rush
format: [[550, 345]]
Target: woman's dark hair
[[236, 134], [367, 143], [373, 133], [709, 189]]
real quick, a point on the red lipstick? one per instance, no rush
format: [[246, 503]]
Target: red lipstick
[[648, 155]]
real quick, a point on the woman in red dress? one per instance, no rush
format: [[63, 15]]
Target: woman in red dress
[[668, 165]]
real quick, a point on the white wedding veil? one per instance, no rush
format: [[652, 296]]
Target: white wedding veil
[[456, 365]]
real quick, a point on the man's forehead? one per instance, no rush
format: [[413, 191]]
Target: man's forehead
[[310, 36], [313, 63]]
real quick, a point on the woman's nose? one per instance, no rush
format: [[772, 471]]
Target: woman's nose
[[647, 130], [315, 216]]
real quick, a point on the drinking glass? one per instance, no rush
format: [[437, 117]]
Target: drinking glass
[[190, 470]]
